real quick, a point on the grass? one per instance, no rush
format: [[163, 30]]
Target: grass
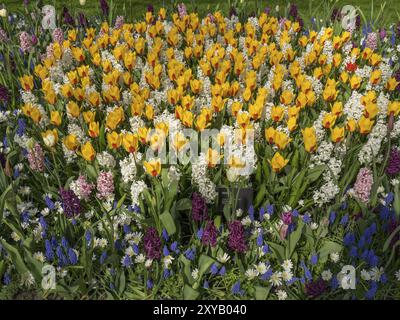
[[134, 9]]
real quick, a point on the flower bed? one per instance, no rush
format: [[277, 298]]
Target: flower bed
[[99, 183]]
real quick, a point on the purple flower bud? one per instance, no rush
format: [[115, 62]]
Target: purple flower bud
[[286, 218]]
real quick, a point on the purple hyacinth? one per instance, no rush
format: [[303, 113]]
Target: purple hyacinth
[[104, 7], [382, 33], [209, 236], [393, 166], [4, 94], [293, 12], [236, 238], [3, 160], [286, 218], [150, 8], [358, 22], [152, 244], [316, 288], [397, 77], [70, 203], [68, 19], [232, 12], [199, 207], [83, 22], [398, 29], [335, 16]]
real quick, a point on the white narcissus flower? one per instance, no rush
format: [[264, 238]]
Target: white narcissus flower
[[3, 13], [82, 2]]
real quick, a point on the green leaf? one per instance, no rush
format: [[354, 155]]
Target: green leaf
[[102, 139], [327, 248], [293, 239], [278, 251], [296, 192], [261, 293], [2, 268], [204, 264], [396, 203], [168, 222], [121, 283], [35, 266], [186, 269], [315, 173], [260, 195], [3, 198], [189, 293], [15, 257], [390, 239], [184, 204], [121, 201], [91, 171]]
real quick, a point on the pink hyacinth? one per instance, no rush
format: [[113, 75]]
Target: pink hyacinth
[[182, 10], [105, 185], [372, 40], [25, 41], [36, 158], [3, 36], [119, 22], [85, 188], [362, 187], [58, 35]]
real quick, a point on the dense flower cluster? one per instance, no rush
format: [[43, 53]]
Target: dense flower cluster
[[300, 174]]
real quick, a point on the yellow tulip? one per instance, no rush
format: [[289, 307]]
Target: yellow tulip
[[286, 97], [277, 113], [88, 152], [152, 167], [392, 84], [351, 125], [130, 142], [355, 82], [88, 116], [365, 125], [278, 162], [55, 118], [281, 140], [310, 139], [179, 141], [94, 129], [329, 120], [26, 82], [394, 108], [71, 142], [73, 109], [337, 134], [371, 110], [114, 140], [50, 137], [292, 124]]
